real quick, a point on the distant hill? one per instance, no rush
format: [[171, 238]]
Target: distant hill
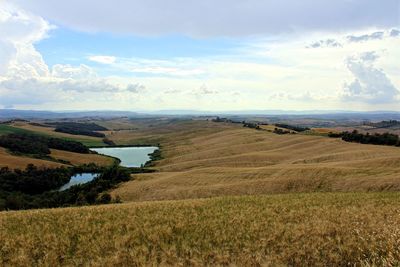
[[6, 114]]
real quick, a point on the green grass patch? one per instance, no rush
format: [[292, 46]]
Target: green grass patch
[[7, 129]]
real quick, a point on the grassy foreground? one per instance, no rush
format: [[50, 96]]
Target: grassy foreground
[[319, 229]]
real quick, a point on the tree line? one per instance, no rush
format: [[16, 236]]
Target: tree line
[[39, 145], [77, 128], [38, 188], [376, 139], [292, 127]]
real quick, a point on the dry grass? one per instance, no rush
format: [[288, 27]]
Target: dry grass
[[18, 162], [331, 229], [79, 159], [87, 140], [203, 159]]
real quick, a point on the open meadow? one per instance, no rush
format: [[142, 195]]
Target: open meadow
[[315, 229], [222, 195], [204, 159]]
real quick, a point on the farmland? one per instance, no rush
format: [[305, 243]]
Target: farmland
[[317, 229], [223, 194], [14, 161], [205, 159]]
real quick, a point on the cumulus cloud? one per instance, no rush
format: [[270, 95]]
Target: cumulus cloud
[[366, 37], [73, 72], [394, 33], [204, 90], [216, 18], [300, 97], [19, 30], [325, 43], [25, 79], [370, 83]]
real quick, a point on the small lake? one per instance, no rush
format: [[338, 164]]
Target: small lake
[[129, 156], [78, 179]]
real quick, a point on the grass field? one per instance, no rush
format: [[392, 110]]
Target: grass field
[[49, 131], [7, 129], [205, 159], [20, 162], [318, 229]]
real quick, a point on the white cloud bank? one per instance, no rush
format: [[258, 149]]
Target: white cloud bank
[[25, 78], [371, 84], [283, 74], [216, 18]]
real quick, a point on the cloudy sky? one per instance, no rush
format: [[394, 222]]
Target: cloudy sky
[[204, 55]]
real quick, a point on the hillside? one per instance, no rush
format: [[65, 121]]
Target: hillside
[[12, 160], [323, 229], [203, 159]]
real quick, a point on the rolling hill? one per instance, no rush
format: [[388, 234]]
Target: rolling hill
[[204, 159], [318, 229]]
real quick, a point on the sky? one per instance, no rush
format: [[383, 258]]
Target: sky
[[225, 55]]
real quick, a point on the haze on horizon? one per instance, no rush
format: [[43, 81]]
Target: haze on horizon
[[200, 55]]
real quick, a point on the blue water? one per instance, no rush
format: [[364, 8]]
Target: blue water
[[129, 156], [78, 179]]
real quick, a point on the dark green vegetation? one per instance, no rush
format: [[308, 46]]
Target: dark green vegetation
[[251, 125], [281, 131], [375, 139], [292, 127], [32, 180], [156, 155], [34, 188], [77, 128], [383, 124], [7, 129], [218, 119], [39, 145]]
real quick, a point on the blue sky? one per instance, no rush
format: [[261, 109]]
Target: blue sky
[[205, 55], [64, 46]]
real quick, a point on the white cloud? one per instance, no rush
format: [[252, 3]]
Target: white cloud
[[216, 18], [370, 84], [25, 78], [71, 72], [102, 59], [325, 43], [298, 77], [366, 37]]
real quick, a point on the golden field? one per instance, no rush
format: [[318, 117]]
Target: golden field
[[223, 195], [20, 162], [314, 229], [49, 131], [205, 159]]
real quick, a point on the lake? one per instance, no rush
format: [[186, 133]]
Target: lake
[[78, 179], [129, 156]]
